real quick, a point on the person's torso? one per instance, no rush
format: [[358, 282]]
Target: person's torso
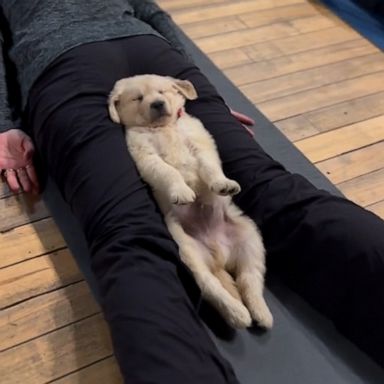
[[40, 30], [29, 19]]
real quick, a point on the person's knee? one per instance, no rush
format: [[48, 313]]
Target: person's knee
[[325, 249], [359, 233], [358, 313]]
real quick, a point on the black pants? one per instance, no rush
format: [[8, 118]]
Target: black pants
[[327, 248]]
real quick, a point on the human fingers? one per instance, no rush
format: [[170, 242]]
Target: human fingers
[[244, 119], [24, 180], [31, 172], [11, 178], [249, 130]]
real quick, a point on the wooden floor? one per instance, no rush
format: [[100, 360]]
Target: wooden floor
[[317, 79]]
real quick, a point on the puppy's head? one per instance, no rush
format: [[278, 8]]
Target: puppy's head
[[149, 100]]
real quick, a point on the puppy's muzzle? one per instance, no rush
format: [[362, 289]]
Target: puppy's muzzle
[[158, 109], [158, 105]]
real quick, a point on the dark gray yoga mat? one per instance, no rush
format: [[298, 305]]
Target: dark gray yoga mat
[[303, 347]]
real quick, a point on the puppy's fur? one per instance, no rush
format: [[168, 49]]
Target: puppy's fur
[[177, 157]]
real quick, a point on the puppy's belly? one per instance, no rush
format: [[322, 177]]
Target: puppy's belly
[[208, 225]]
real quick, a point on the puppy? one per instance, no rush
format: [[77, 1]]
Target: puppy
[[177, 157]]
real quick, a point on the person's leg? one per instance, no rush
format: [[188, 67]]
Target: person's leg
[[327, 248], [157, 334]]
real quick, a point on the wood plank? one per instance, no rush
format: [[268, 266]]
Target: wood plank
[[174, 5], [262, 70], [19, 210], [300, 43], [348, 112], [28, 241], [277, 87], [4, 190], [105, 371], [37, 276], [242, 38], [365, 190], [238, 56], [296, 128], [280, 14], [230, 58], [273, 49], [234, 8], [377, 208], [56, 354], [330, 144], [334, 116], [353, 164], [213, 27], [309, 100], [45, 313], [315, 23]]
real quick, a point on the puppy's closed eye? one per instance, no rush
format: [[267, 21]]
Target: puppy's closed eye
[[176, 90], [166, 91], [138, 98]]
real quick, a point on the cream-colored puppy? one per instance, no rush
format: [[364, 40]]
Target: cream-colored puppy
[[177, 157]]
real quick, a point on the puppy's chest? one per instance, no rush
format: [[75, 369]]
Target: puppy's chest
[[176, 150]]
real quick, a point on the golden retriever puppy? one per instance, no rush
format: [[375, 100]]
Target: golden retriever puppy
[[178, 158]]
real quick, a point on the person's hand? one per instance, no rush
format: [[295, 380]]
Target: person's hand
[[16, 153], [245, 120]]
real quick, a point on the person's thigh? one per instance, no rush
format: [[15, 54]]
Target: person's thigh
[[325, 247], [328, 249], [145, 289]]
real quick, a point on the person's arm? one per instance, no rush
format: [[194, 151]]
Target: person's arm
[[6, 121], [16, 148], [149, 12]]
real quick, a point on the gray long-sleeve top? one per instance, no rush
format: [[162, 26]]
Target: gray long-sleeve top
[[35, 32]]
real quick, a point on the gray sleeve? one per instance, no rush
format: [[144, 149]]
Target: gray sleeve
[[6, 121], [149, 12]]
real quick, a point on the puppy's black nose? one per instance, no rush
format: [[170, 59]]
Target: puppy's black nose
[[158, 105]]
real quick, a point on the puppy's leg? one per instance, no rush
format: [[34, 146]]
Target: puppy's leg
[[194, 255], [164, 177], [210, 169], [161, 176], [227, 282], [211, 173], [218, 269], [248, 254]]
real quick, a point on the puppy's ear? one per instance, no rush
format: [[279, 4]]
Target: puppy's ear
[[113, 100], [186, 88]]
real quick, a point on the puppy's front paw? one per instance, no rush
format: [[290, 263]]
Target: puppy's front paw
[[225, 187], [182, 195]]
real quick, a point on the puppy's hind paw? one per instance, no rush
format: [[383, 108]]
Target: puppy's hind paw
[[225, 187], [262, 315], [239, 317], [182, 195]]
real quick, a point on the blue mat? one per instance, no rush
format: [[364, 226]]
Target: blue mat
[[362, 16]]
